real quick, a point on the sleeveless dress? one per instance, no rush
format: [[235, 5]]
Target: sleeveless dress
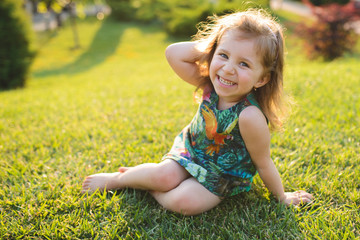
[[212, 150]]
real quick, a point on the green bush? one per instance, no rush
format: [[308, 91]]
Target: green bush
[[134, 10], [15, 53], [122, 10], [179, 17], [228, 6], [146, 10]]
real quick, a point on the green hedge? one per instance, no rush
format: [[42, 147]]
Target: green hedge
[[121, 9], [178, 17], [15, 53]]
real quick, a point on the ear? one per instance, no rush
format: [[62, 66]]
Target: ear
[[262, 81]]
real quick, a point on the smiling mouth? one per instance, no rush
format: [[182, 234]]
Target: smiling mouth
[[226, 82]]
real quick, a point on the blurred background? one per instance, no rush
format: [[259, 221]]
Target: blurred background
[[332, 32]]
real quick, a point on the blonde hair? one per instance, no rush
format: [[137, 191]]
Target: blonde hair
[[269, 42]]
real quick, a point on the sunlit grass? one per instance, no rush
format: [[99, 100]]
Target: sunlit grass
[[116, 102]]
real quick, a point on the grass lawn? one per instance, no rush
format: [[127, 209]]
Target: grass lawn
[[116, 102]]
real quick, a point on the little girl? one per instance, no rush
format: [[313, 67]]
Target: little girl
[[237, 61]]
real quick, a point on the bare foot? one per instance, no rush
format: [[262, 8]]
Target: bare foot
[[101, 181], [123, 169]]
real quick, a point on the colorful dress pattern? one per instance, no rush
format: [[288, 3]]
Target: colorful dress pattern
[[212, 150]]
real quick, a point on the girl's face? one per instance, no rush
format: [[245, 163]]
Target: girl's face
[[235, 68]]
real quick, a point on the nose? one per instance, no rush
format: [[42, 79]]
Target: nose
[[228, 68]]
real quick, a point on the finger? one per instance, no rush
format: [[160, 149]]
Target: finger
[[306, 195], [305, 200], [302, 193], [299, 200]]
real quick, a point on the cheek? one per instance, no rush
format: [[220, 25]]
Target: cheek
[[214, 66], [245, 77], [211, 69]]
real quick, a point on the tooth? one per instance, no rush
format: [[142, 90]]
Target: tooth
[[226, 81]]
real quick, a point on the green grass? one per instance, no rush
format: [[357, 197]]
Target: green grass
[[116, 102]]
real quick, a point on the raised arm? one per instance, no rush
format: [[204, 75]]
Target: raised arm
[[183, 57], [256, 135]]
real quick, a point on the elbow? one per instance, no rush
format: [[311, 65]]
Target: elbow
[[169, 51]]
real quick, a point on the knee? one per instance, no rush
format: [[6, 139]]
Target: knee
[[186, 205], [166, 178]]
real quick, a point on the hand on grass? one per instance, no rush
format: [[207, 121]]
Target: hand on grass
[[296, 198]]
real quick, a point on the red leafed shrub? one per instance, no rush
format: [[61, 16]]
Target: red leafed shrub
[[330, 36]]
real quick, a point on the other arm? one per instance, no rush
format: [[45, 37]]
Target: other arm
[[256, 135], [183, 57]]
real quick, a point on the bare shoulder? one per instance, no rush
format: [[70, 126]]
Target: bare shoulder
[[252, 117], [253, 125]]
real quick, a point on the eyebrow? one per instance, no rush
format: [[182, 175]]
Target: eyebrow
[[242, 58]]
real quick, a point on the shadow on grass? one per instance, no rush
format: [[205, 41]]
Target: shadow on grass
[[245, 216], [103, 45]]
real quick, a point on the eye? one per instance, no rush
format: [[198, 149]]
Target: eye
[[223, 55], [244, 64]]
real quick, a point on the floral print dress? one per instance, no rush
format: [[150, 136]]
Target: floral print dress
[[212, 150]]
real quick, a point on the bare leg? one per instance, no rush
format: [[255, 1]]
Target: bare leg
[[189, 198], [100, 181], [162, 176]]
